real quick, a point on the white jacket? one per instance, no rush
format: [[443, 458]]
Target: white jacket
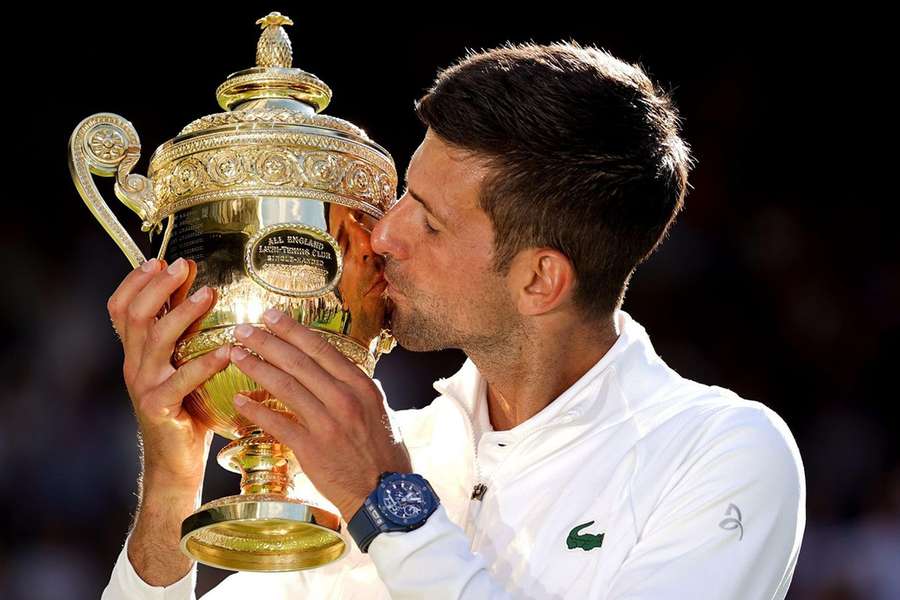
[[696, 493]]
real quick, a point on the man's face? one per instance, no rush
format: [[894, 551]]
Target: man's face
[[438, 247]]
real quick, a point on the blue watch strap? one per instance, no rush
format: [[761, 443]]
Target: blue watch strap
[[362, 527]]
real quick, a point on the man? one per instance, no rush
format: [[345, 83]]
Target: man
[[568, 459]]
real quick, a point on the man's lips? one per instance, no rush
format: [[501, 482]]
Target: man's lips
[[391, 288]]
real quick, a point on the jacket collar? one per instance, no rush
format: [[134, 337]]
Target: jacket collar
[[596, 397]]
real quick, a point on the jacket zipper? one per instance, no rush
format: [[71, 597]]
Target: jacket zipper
[[478, 491], [480, 488]]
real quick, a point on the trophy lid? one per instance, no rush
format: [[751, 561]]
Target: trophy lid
[[271, 141], [273, 76]]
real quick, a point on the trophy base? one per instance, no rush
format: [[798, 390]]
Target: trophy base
[[262, 532]]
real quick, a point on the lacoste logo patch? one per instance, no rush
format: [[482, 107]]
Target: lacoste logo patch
[[585, 541]]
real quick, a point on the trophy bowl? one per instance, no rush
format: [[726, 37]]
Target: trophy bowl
[[275, 203]]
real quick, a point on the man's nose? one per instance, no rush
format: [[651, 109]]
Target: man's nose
[[387, 235]]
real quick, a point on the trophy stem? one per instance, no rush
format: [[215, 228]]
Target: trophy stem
[[262, 528], [266, 465]]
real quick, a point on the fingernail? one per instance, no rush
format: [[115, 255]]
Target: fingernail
[[272, 316], [200, 295], [222, 351], [176, 267], [238, 354], [240, 400], [243, 331], [150, 265]]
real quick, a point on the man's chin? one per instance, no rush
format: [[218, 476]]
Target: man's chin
[[414, 336], [413, 344]]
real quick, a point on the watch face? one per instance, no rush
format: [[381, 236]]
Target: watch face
[[404, 501]]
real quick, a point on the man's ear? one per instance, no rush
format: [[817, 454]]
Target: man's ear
[[543, 279]]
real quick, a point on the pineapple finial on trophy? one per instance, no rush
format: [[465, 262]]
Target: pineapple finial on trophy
[[273, 77], [274, 46]]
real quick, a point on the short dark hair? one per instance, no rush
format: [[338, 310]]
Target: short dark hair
[[585, 151]]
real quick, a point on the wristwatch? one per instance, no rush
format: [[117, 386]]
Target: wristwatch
[[400, 502]]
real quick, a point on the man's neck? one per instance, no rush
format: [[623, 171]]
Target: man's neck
[[534, 370]]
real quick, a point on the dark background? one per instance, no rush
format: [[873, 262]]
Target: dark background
[[779, 280]]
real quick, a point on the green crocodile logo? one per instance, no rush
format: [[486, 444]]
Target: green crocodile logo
[[585, 541]]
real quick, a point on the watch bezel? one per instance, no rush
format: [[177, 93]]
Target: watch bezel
[[427, 494]]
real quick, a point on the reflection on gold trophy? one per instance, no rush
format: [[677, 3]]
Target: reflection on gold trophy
[[275, 202]]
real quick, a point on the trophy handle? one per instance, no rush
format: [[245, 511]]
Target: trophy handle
[[107, 145]]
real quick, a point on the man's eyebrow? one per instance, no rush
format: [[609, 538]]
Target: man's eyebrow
[[427, 206], [420, 199]]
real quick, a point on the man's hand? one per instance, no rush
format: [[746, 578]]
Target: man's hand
[[175, 445], [339, 431]]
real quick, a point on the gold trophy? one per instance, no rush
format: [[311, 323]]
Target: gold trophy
[[275, 203]]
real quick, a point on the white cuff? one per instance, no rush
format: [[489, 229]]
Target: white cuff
[[126, 584]]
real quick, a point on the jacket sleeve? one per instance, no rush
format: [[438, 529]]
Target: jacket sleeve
[[126, 584], [731, 521], [434, 562]]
